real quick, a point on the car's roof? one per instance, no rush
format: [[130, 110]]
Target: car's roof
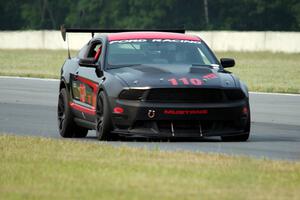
[[150, 35]]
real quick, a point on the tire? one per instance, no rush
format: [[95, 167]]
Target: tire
[[103, 118], [66, 126], [239, 138]]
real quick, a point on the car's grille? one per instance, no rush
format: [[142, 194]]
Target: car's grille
[[195, 95], [183, 95], [233, 95]]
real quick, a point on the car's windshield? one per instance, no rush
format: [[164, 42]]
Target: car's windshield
[[158, 51]]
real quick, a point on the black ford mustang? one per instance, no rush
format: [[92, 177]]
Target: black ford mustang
[[151, 84]]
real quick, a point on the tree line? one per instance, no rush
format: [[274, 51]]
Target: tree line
[[260, 15]]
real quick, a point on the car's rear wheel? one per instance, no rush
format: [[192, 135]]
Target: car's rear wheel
[[66, 126], [103, 118]]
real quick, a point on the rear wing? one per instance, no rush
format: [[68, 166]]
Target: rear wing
[[65, 30]]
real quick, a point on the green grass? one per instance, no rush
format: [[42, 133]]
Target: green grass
[[41, 168], [262, 71], [32, 63], [267, 72]]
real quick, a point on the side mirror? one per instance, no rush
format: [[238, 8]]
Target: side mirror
[[88, 62], [227, 62], [99, 72], [91, 62]]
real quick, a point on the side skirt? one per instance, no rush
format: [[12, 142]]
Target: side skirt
[[85, 123]]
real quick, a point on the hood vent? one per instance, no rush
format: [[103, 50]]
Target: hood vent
[[200, 70]]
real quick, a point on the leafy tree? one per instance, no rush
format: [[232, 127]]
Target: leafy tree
[[280, 15], [44, 14], [11, 18]]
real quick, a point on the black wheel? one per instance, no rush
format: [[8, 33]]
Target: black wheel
[[103, 118], [239, 138], [66, 126]]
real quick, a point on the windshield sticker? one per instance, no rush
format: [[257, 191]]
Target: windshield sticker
[[155, 40], [127, 41]]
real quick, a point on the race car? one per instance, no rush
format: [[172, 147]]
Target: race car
[[153, 84]]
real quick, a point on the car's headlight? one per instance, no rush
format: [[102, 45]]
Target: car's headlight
[[132, 94]]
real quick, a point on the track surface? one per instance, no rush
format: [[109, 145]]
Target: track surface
[[28, 107]]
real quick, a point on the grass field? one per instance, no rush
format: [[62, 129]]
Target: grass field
[[41, 168], [267, 72], [263, 71], [32, 63]]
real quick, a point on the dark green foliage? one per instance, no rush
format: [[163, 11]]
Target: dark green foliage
[[278, 15]]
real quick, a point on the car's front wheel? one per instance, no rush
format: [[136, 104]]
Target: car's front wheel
[[239, 138], [66, 126], [103, 118]]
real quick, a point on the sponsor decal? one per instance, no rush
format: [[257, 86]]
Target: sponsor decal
[[82, 92], [91, 99], [127, 41], [185, 112], [155, 40]]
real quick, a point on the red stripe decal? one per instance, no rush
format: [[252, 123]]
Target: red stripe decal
[[83, 109], [150, 35]]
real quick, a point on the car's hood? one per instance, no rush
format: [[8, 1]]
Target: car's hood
[[167, 75]]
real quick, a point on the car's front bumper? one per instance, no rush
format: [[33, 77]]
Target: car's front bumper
[[165, 120]]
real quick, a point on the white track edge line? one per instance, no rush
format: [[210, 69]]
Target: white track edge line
[[52, 79], [29, 78], [274, 93]]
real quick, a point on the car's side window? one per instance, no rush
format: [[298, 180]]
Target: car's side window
[[95, 50]]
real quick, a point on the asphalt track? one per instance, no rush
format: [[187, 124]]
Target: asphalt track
[[28, 107]]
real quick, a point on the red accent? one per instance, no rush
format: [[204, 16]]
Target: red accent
[[184, 81], [150, 35], [82, 92], [245, 110], [173, 81], [196, 81], [93, 85], [89, 99], [210, 76], [118, 110], [83, 109], [185, 112], [98, 53]]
